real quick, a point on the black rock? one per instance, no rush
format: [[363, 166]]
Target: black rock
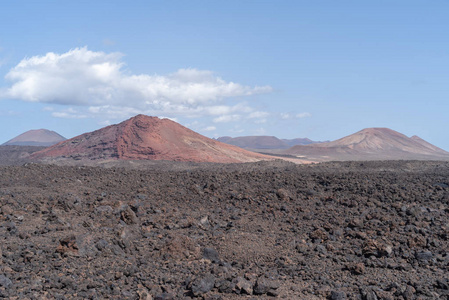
[[443, 284], [11, 227], [225, 286], [370, 295], [213, 297], [243, 285], [321, 249], [202, 285], [101, 245], [265, 286], [211, 254], [409, 292], [164, 296], [128, 216], [424, 256], [5, 281], [338, 295]]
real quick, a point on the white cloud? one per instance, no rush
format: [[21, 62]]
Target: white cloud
[[303, 115], [289, 116], [98, 83], [260, 121], [193, 124], [104, 123], [237, 130], [210, 128], [258, 114], [260, 131], [225, 109], [227, 118], [68, 113], [92, 84], [285, 116]]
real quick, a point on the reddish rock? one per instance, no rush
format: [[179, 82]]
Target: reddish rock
[[68, 245], [148, 138]]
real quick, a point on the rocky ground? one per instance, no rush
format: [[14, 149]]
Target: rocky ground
[[354, 230]]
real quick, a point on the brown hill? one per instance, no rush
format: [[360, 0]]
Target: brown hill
[[371, 144], [148, 138], [39, 137]]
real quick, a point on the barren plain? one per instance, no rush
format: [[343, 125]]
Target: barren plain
[[347, 230]]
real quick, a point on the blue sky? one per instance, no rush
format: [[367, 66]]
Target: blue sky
[[317, 69]]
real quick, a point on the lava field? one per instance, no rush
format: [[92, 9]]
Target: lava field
[[349, 230]]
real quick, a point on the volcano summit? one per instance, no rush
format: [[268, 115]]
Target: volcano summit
[[38, 137], [372, 144], [148, 138]]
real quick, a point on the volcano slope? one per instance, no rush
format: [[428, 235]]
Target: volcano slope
[[348, 230], [371, 144], [145, 138]]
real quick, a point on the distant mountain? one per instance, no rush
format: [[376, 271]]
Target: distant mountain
[[299, 141], [263, 142], [224, 139], [255, 142], [39, 137], [371, 144], [148, 138]]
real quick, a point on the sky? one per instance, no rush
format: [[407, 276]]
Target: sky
[[320, 69]]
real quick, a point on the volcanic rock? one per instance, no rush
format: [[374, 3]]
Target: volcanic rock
[[203, 284], [409, 292], [424, 256], [243, 285], [5, 281], [265, 286], [261, 245], [211, 254], [148, 138], [68, 245], [338, 295]]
